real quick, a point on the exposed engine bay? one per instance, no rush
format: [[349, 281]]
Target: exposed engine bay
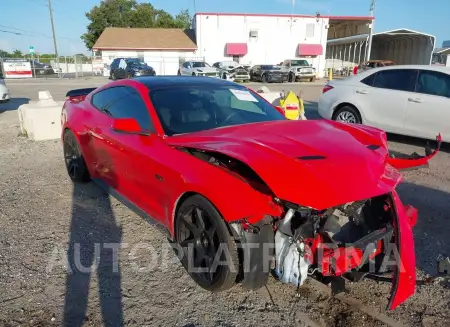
[[332, 242]]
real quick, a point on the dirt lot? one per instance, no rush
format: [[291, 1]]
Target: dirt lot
[[42, 216]]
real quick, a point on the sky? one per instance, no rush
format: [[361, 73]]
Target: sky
[[31, 19]]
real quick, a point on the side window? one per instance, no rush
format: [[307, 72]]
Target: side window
[[114, 64], [433, 83], [129, 104], [369, 79], [396, 79], [104, 98]]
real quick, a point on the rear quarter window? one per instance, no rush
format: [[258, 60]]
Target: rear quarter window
[[368, 80]]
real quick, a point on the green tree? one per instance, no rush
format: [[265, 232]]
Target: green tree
[[183, 19], [17, 54], [4, 54], [128, 13]]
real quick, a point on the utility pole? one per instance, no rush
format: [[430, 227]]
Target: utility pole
[[53, 32], [369, 42]]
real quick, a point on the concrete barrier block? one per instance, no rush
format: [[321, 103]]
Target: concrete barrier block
[[41, 120]]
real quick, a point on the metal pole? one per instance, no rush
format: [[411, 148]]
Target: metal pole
[[369, 44], [53, 32]]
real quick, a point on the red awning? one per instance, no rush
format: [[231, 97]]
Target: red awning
[[310, 49], [236, 49]]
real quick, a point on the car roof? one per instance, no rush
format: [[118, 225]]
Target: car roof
[[155, 82], [442, 69]]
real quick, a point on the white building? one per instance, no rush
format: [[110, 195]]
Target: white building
[[161, 48], [261, 39]]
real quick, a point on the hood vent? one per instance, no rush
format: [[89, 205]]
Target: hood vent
[[312, 157], [373, 147]]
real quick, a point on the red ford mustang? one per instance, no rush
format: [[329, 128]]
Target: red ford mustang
[[241, 189]]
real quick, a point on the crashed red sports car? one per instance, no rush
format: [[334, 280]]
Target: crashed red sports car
[[243, 191]]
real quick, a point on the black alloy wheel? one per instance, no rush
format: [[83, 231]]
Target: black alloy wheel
[[206, 240], [73, 158]]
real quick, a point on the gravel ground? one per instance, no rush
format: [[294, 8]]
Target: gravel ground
[[42, 215]]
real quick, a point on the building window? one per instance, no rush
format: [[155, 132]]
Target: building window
[[310, 30], [253, 35]]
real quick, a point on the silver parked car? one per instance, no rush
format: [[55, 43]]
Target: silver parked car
[[197, 68]]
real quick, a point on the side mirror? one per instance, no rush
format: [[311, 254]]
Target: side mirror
[[280, 110], [128, 126]]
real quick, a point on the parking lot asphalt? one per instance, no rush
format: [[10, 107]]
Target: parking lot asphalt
[[41, 212]]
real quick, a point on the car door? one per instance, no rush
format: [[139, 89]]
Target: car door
[[428, 110], [382, 98], [97, 125], [135, 166], [114, 66], [257, 73], [185, 68]]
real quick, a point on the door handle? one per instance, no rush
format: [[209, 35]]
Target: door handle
[[416, 100], [95, 130], [362, 91]]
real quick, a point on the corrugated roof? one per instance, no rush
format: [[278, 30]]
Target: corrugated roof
[[144, 39]]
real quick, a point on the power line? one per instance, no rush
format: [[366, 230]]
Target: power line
[[16, 33], [31, 33]]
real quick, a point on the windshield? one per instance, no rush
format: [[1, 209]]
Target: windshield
[[270, 67], [299, 63], [196, 108], [198, 64], [135, 61]]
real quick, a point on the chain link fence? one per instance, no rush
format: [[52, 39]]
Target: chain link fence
[[82, 66]]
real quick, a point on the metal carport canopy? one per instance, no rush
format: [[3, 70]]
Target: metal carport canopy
[[403, 46]]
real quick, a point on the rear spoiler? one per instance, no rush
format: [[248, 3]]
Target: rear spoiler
[[415, 161], [79, 92]]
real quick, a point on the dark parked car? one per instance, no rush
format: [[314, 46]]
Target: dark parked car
[[129, 67], [268, 73], [39, 68]]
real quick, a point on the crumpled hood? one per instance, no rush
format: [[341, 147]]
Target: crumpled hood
[[314, 163]]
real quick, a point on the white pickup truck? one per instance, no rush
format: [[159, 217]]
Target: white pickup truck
[[298, 69]]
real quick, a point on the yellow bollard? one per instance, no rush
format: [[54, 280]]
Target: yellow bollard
[[330, 74]]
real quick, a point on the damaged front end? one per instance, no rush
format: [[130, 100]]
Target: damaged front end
[[370, 234], [348, 241]]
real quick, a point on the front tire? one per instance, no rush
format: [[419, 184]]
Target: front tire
[[74, 160], [206, 240], [347, 114]]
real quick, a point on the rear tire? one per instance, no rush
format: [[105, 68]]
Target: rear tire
[[312, 79], [347, 114], [201, 231], [74, 160]]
